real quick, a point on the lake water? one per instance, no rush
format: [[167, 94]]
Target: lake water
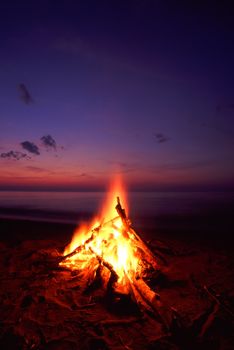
[[140, 203], [196, 215]]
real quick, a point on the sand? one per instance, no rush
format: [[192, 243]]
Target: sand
[[43, 307]]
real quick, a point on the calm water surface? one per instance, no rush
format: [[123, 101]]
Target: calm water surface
[[146, 203]]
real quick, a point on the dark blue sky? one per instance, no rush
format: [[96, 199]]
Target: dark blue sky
[[145, 88]]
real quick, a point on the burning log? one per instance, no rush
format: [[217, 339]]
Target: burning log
[[143, 246], [91, 274], [113, 275], [78, 249]]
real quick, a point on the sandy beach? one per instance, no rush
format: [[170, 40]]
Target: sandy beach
[[43, 307]]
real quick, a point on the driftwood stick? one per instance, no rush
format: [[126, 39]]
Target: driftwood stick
[[153, 300], [122, 212], [106, 223], [78, 249], [90, 274], [138, 299], [123, 321], [131, 290], [144, 246], [209, 321], [148, 294], [123, 344], [85, 306], [214, 297]]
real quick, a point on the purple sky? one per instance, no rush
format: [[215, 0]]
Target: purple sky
[[90, 88]]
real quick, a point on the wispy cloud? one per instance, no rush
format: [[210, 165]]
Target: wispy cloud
[[161, 138], [24, 94], [30, 147], [49, 142], [15, 155], [36, 169]]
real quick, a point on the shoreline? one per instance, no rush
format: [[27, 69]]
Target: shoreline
[[212, 230]]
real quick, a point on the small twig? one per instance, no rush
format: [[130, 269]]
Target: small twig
[[210, 319], [214, 297], [94, 232], [122, 343], [80, 307], [77, 249], [120, 322]]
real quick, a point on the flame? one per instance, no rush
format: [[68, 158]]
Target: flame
[[116, 189], [110, 239]]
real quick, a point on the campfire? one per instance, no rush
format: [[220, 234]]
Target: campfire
[[101, 292], [108, 252]]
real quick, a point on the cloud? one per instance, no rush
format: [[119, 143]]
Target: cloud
[[24, 94], [30, 147], [49, 142], [14, 155], [36, 169], [161, 138], [86, 175]]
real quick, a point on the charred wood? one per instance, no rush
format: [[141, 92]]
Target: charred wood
[[121, 321], [153, 300], [209, 321]]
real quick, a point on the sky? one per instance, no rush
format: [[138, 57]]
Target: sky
[[89, 89]]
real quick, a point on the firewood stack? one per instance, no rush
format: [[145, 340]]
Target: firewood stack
[[124, 280]]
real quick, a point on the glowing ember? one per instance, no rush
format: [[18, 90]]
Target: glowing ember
[[110, 241]]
